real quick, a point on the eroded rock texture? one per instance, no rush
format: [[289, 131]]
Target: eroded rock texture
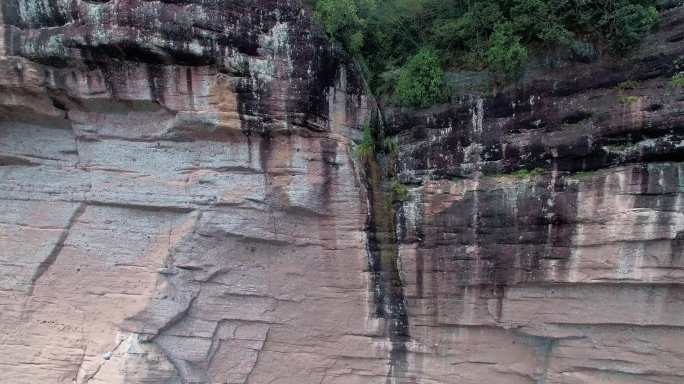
[[178, 199], [568, 272], [179, 204]]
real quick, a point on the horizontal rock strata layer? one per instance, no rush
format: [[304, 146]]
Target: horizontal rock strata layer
[[542, 242]]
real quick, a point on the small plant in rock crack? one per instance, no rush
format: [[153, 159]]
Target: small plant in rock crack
[[526, 174], [400, 193], [241, 69], [678, 80], [628, 85], [624, 88], [391, 145], [627, 100], [365, 150]]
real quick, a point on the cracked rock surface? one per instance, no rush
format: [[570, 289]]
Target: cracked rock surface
[[569, 271], [179, 203]]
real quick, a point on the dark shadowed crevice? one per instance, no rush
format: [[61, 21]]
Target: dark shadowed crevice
[[388, 289], [45, 265]]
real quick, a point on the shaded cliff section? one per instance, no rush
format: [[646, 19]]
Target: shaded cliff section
[[385, 280], [278, 67], [542, 239]]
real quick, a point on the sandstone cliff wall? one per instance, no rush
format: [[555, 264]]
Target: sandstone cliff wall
[[569, 271], [178, 200], [180, 204]]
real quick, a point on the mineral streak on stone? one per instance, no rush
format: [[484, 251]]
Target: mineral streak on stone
[[570, 271], [179, 204], [385, 277]]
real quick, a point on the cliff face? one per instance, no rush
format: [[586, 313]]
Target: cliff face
[[178, 200], [569, 271], [179, 204]]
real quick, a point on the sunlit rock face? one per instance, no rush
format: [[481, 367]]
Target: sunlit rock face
[[568, 272], [177, 199], [179, 204]]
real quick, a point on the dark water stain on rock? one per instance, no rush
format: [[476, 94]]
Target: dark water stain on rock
[[486, 241], [328, 168], [388, 289]]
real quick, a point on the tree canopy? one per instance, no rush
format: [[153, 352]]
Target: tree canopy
[[404, 45]]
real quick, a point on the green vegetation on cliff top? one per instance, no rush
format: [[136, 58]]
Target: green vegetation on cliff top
[[405, 46]]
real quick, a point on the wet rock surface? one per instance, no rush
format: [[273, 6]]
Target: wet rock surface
[[179, 203], [542, 242]]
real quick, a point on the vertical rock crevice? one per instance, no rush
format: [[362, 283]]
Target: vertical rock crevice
[[389, 300]]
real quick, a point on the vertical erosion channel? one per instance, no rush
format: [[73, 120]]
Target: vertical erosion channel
[[388, 289]]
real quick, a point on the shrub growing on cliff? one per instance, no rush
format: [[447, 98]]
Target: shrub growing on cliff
[[365, 150], [628, 25], [534, 19], [678, 80], [391, 146], [506, 54], [421, 81], [399, 191]]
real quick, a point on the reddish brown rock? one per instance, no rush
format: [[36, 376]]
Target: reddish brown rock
[[179, 204], [568, 271]]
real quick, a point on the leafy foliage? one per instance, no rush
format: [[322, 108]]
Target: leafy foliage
[[392, 38], [421, 81], [505, 53], [678, 80], [628, 100], [391, 145], [399, 191], [628, 85], [628, 25], [623, 89], [341, 20], [365, 150]]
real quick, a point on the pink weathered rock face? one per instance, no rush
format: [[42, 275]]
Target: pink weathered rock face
[[179, 203], [178, 200]]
